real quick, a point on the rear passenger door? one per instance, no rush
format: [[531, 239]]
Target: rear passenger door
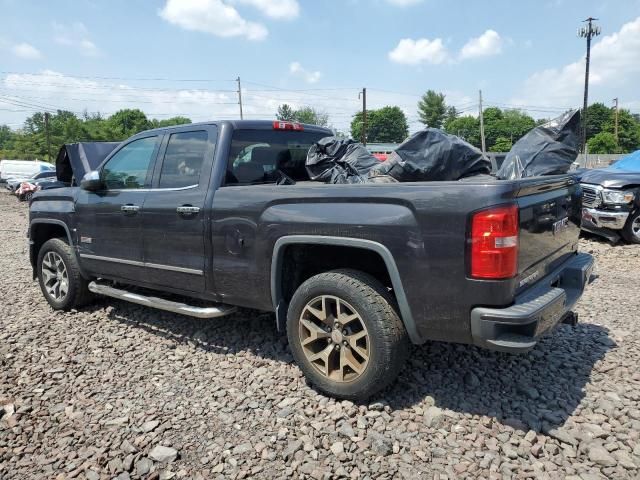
[[174, 216]]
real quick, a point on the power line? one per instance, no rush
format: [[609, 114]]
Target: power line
[[145, 79]]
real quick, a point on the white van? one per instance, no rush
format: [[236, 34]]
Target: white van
[[22, 168]]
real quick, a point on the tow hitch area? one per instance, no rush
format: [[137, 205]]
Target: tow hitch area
[[571, 318]]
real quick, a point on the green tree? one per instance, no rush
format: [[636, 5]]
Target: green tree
[[603, 142], [432, 109], [127, 122], [168, 122], [628, 131], [6, 137], [467, 128], [598, 115], [385, 125], [503, 144], [493, 125], [311, 116], [450, 116], [285, 113]]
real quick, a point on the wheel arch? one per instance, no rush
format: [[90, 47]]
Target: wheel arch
[[41, 230], [280, 302]]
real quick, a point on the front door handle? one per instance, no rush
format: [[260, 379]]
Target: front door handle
[[129, 208], [187, 210]]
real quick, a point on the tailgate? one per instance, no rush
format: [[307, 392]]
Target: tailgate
[[549, 225]]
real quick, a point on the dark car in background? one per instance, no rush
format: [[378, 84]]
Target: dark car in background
[[611, 200], [14, 183]]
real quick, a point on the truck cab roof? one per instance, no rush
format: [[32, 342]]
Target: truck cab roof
[[241, 125]]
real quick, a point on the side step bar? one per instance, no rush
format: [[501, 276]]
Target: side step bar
[[161, 303]]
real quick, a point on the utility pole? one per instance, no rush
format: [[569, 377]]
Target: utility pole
[[363, 95], [616, 124], [587, 31], [47, 133], [484, 146], [240, 97]]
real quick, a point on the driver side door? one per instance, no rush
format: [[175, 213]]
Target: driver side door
[[109, 220]]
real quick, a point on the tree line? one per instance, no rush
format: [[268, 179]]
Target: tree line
[[503, 127], [30, 141]]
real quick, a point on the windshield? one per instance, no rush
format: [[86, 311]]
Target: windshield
[[630, 163]]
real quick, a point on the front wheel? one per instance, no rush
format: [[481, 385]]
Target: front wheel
[[345, 334], [59, 276], [631, 230]]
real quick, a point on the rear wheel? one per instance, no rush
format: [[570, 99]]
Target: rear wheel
[[345, 334], [631, 230], [59, 276]]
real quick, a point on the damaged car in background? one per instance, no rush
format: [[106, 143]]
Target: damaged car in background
[[73, 161], [611, 200]]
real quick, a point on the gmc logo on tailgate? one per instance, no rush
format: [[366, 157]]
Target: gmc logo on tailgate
[[560, 225]]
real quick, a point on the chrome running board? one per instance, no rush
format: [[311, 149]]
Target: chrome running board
[[161, 303]]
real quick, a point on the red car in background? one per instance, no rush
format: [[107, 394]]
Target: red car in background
[[381, 150]]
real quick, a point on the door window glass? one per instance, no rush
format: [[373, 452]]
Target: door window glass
[[183, 159], [129, 167]]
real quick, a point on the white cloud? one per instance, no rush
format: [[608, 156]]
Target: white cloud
[[404, 3], [278, 9], [309, 76], [75, 35], [26, 51], [614, 64], [415, 52], [211, 16], [489, 43]]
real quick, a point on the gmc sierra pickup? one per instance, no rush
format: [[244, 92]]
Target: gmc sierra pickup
[[201, 218]]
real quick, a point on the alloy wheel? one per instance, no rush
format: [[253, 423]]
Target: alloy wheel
[[54, 276], [334, 338], [635, 227]]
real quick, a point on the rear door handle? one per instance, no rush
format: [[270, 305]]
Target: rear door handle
[[129, 208], [187, 210]]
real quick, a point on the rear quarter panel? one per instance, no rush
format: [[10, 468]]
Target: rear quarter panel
[[423, 225]]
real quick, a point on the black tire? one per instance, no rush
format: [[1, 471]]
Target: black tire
[[632, 223], [388, 341], [28, 196], [78, 293]]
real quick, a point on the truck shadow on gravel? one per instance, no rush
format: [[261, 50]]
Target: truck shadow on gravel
[[538, 390]]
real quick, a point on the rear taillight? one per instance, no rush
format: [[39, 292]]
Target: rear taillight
[[494, 243]]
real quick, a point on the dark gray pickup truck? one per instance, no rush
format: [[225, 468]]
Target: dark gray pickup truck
[[201, 218], [611, 200]]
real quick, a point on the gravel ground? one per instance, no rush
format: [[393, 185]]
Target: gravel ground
[[117, 390]]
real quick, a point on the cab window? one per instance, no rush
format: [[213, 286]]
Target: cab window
[[263, 156]]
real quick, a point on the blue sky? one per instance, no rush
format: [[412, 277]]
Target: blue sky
[[105, 55]]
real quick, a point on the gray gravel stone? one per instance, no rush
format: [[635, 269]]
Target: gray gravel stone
[[160, 453], [600, 455], [91, 393]]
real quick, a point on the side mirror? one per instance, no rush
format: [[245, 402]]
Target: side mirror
[[91, 181]]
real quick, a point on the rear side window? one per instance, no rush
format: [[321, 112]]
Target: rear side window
[[261, 156], [183, 159], [129, 167]]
